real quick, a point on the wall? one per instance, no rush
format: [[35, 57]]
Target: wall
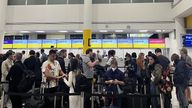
[[70, 17]]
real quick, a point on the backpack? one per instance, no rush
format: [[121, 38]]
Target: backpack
[[81, 84], [27, 81]]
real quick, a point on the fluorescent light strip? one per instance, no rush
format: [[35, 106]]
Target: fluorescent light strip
[[143, 31], [40, 31], [158, 31], [119, 31], [103, 31], [24, 31], [63, 31], [78, 31]]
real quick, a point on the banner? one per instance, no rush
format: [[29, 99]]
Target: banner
[[109, 43], [63, 43], [156, 43], [8, 44], [77, 43], [140, 43], [49, 43], [125, 43], [96, 43], [19, 43], [34, 43]]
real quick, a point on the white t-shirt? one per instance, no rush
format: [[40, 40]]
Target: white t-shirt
[[54, 69]]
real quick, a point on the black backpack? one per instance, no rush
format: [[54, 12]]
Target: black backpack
[[27, 81], [81, 84]]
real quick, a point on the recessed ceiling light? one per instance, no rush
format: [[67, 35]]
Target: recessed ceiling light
[[118, 31], [103, 31], [158, 31], [24, 31], [164, 30], [63, 31], [78, 31], [40, 31], [143, 31]]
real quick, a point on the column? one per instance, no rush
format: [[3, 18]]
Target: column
[[3, 5], [87, 27], [180, 31]]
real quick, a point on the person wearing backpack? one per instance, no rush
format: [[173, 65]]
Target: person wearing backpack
[[14, 77], [32, 64], [180, 80], [74, 101]]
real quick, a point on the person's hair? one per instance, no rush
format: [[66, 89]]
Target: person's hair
[[154, 57], [18, 56], [140, 55], [52, 46], [174, 57], [23, 52], [149, 52], [158, 50], [111, 53], [31, 52], [9, 53], [71, 54], [114, 62], [74, 64], [184, 50], [37, 54], [52, 52], [128, 55], [42, 50], [62, 51], [89, 50], [134, 55]]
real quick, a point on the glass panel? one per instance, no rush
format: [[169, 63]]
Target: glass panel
[[36, 2], [16, 2], [76, 1], [163, 0], [100, 1], [142, 1], [57, 1], [120, 1]]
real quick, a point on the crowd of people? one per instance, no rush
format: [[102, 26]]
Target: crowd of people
[[146, 74]]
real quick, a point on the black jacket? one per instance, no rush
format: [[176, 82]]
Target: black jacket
[[131, 68], [15, 75], [62, 63], [34, 65]]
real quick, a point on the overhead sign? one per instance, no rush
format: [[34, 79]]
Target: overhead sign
[[77, 43], [188, 41], [96, 43], [156, 43], [109, 43], [49, 43], [8, 44], [63, 43], [140, 43], [34, 43], [125, 43], [19, 43]]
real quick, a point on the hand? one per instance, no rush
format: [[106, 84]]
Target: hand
[[110, 81], [116, 82]]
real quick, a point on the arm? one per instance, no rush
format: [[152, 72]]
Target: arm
[[92, 64], [4, 70], [70, 80], [157, 73]]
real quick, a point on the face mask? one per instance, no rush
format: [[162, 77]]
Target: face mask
[[113, 69]]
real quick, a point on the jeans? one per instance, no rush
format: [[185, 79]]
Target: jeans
[[154, 100], [180, 92], [6, 97], [167, 100]]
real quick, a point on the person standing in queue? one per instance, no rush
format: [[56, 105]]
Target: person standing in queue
[[165, 63], [155, 69], [180, 80], [187, 59], [52, 72], [5, 67], [32, 64], [88, 72], [70, 57], [43, 56], [14, 77]]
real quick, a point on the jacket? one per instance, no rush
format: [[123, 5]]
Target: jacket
[[156, 73]]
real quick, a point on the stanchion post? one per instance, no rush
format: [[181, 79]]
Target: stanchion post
[[82, 95]]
